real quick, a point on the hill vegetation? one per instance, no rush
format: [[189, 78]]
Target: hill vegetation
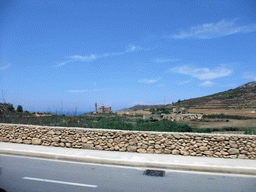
[[240, 98]]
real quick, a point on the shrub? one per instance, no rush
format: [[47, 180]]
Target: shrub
[[163, 126], [222, 116], [19, 108], [208, 130], [152, 110], [231, 129], [11, 108]]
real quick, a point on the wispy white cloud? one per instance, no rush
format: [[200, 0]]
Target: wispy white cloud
[[207, 84], [183, 82], [63, 63], [213, 30], [249, 76], [203, 73], [161, 85], [5, 67], [98, 90], [87, 58], [148, 81], [132, 48], [84, 58], [83, 90], [162, 60], [78, 91]]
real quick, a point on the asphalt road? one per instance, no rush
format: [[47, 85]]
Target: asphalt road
[[23, 174]]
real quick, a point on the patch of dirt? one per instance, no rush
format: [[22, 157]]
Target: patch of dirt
[[244, 113], [250, 123]]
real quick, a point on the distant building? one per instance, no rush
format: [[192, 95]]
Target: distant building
[[102, 109], [181, 110]]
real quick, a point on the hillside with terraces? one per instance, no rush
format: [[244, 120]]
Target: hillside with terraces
[[239, 101]]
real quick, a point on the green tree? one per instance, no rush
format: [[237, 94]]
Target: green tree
[[11, 108], [152, 110], [165, 110], [19, 108]]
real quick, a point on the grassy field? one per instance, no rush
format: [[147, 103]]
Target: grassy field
[[112, 121], [106, 121]]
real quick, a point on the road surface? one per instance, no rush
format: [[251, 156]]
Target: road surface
[[26, 174]]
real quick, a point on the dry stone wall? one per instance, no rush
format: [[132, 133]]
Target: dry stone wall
[[192, 144]]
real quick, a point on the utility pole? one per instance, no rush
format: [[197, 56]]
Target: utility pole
[[164, 100]]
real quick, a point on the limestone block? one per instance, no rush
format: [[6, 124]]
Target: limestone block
[[208, 153], [116, 148], [132, 148], [159, 151], [84, 139], [56, 139], [233, 156], [62, 144], [233, 151], [87, 146], [218, 153], [224, 153], [5, 139], [51, 132], [123, 149], [58, 133], [36, 141], [185, 153], [175, 152], [141, 151], [241, 156], [203, 148], [167, 151], [98, 147], [143, 146], [19, 140], [27, 142]]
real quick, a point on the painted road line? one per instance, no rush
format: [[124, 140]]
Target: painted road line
[[59, 182]]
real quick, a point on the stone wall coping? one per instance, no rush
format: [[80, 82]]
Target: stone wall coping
[[126, 131]]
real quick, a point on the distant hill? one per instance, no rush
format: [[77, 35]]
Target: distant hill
[[139, 107], [240, 98]]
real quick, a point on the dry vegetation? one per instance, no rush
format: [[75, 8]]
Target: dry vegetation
[[221, 123], [242, 112]]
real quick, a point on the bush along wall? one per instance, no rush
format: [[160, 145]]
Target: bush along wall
[[187, 144]]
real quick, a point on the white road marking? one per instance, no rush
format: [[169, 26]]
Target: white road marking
[[59, 182]]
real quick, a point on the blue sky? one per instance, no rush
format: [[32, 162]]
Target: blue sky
[[67, 55]]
